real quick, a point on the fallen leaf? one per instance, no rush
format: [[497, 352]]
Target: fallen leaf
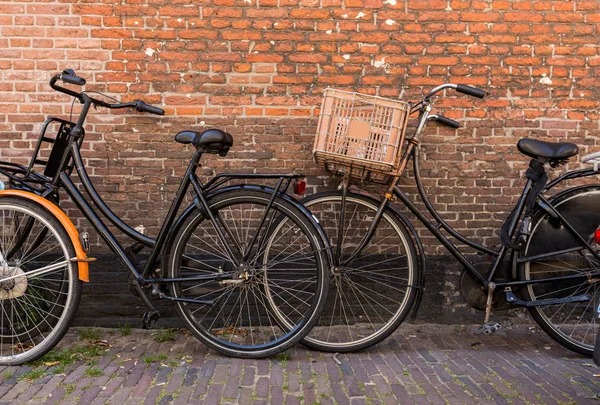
[[51, 363]]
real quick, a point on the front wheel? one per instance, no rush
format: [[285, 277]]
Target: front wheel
[[370, 296], [39, 285], [239, 314]]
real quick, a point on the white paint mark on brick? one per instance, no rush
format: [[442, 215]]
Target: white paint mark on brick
[[193, 23], [344, 15], [360, 15], [390, 2], [390, 22], [135, 129], [272, 42], [328, 32], [188, 95], [140, 228], [381, 63], [179, 20], [202, 123], [346, 56], [150, 51], [275, 25], [545, 79], [248, 1], [136, 22]]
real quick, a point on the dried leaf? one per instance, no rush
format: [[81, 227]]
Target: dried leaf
[[51, 363]]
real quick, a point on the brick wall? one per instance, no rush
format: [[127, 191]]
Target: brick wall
[[257, 68]]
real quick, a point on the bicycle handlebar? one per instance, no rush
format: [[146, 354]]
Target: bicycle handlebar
[[69, 76], [143, 107], [72, 79], [444, 120], [471, 91], [461, 88]]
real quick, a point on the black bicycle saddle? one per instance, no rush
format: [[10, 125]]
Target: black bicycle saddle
[[213, 140], [550, 150]]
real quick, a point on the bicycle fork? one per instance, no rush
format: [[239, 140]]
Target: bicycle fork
[[370, 231]]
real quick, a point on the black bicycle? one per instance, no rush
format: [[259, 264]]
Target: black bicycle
[[548, 262], [245, 264]]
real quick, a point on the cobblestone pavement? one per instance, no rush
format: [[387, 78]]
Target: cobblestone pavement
[[419, 364]]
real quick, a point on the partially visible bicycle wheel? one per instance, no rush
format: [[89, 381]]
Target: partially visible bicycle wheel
[[571, 324], [370, 296], [287, 278], [39, 286]]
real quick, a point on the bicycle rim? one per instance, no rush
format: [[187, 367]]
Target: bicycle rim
[[370, 296], [240, 321], [36, 306], [572, 324]]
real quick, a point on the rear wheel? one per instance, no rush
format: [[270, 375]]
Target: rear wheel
[[39, 285], [240, 316], [571, 324], [370, 296]]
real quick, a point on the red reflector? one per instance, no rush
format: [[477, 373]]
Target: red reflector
[[597, 236], [300, 187]]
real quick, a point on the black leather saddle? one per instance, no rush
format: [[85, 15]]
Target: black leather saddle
[[556, 151], [213, 140]]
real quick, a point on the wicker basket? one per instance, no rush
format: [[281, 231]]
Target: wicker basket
[[360, 135]]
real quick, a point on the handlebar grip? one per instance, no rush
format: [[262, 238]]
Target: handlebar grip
[[448, 122], [72, 79], [471, 91], [143, 107]]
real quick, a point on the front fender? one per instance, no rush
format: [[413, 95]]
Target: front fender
[[65, 222]]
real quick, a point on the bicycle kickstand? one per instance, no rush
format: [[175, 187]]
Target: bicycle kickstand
[[150, 317], [489, 328]]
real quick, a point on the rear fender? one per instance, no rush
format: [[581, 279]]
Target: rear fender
[[197, 206], [80, 253], [580, 206]]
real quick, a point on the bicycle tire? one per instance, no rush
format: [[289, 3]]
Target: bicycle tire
[[36, 310], [240, 321], [381, 297], [572, 325]]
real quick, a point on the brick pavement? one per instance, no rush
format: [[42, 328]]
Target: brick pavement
[[419, 364]]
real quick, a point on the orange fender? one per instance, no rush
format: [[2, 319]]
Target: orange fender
[[66, 223]]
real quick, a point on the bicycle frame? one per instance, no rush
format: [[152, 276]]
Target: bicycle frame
[[487, 281], [189, 179], [500, 254], [27, 179]]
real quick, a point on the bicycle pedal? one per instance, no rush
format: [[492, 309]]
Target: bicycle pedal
[[488, 328], [150, 319]]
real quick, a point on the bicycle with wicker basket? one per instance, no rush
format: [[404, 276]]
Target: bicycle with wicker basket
[[549, 244]]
